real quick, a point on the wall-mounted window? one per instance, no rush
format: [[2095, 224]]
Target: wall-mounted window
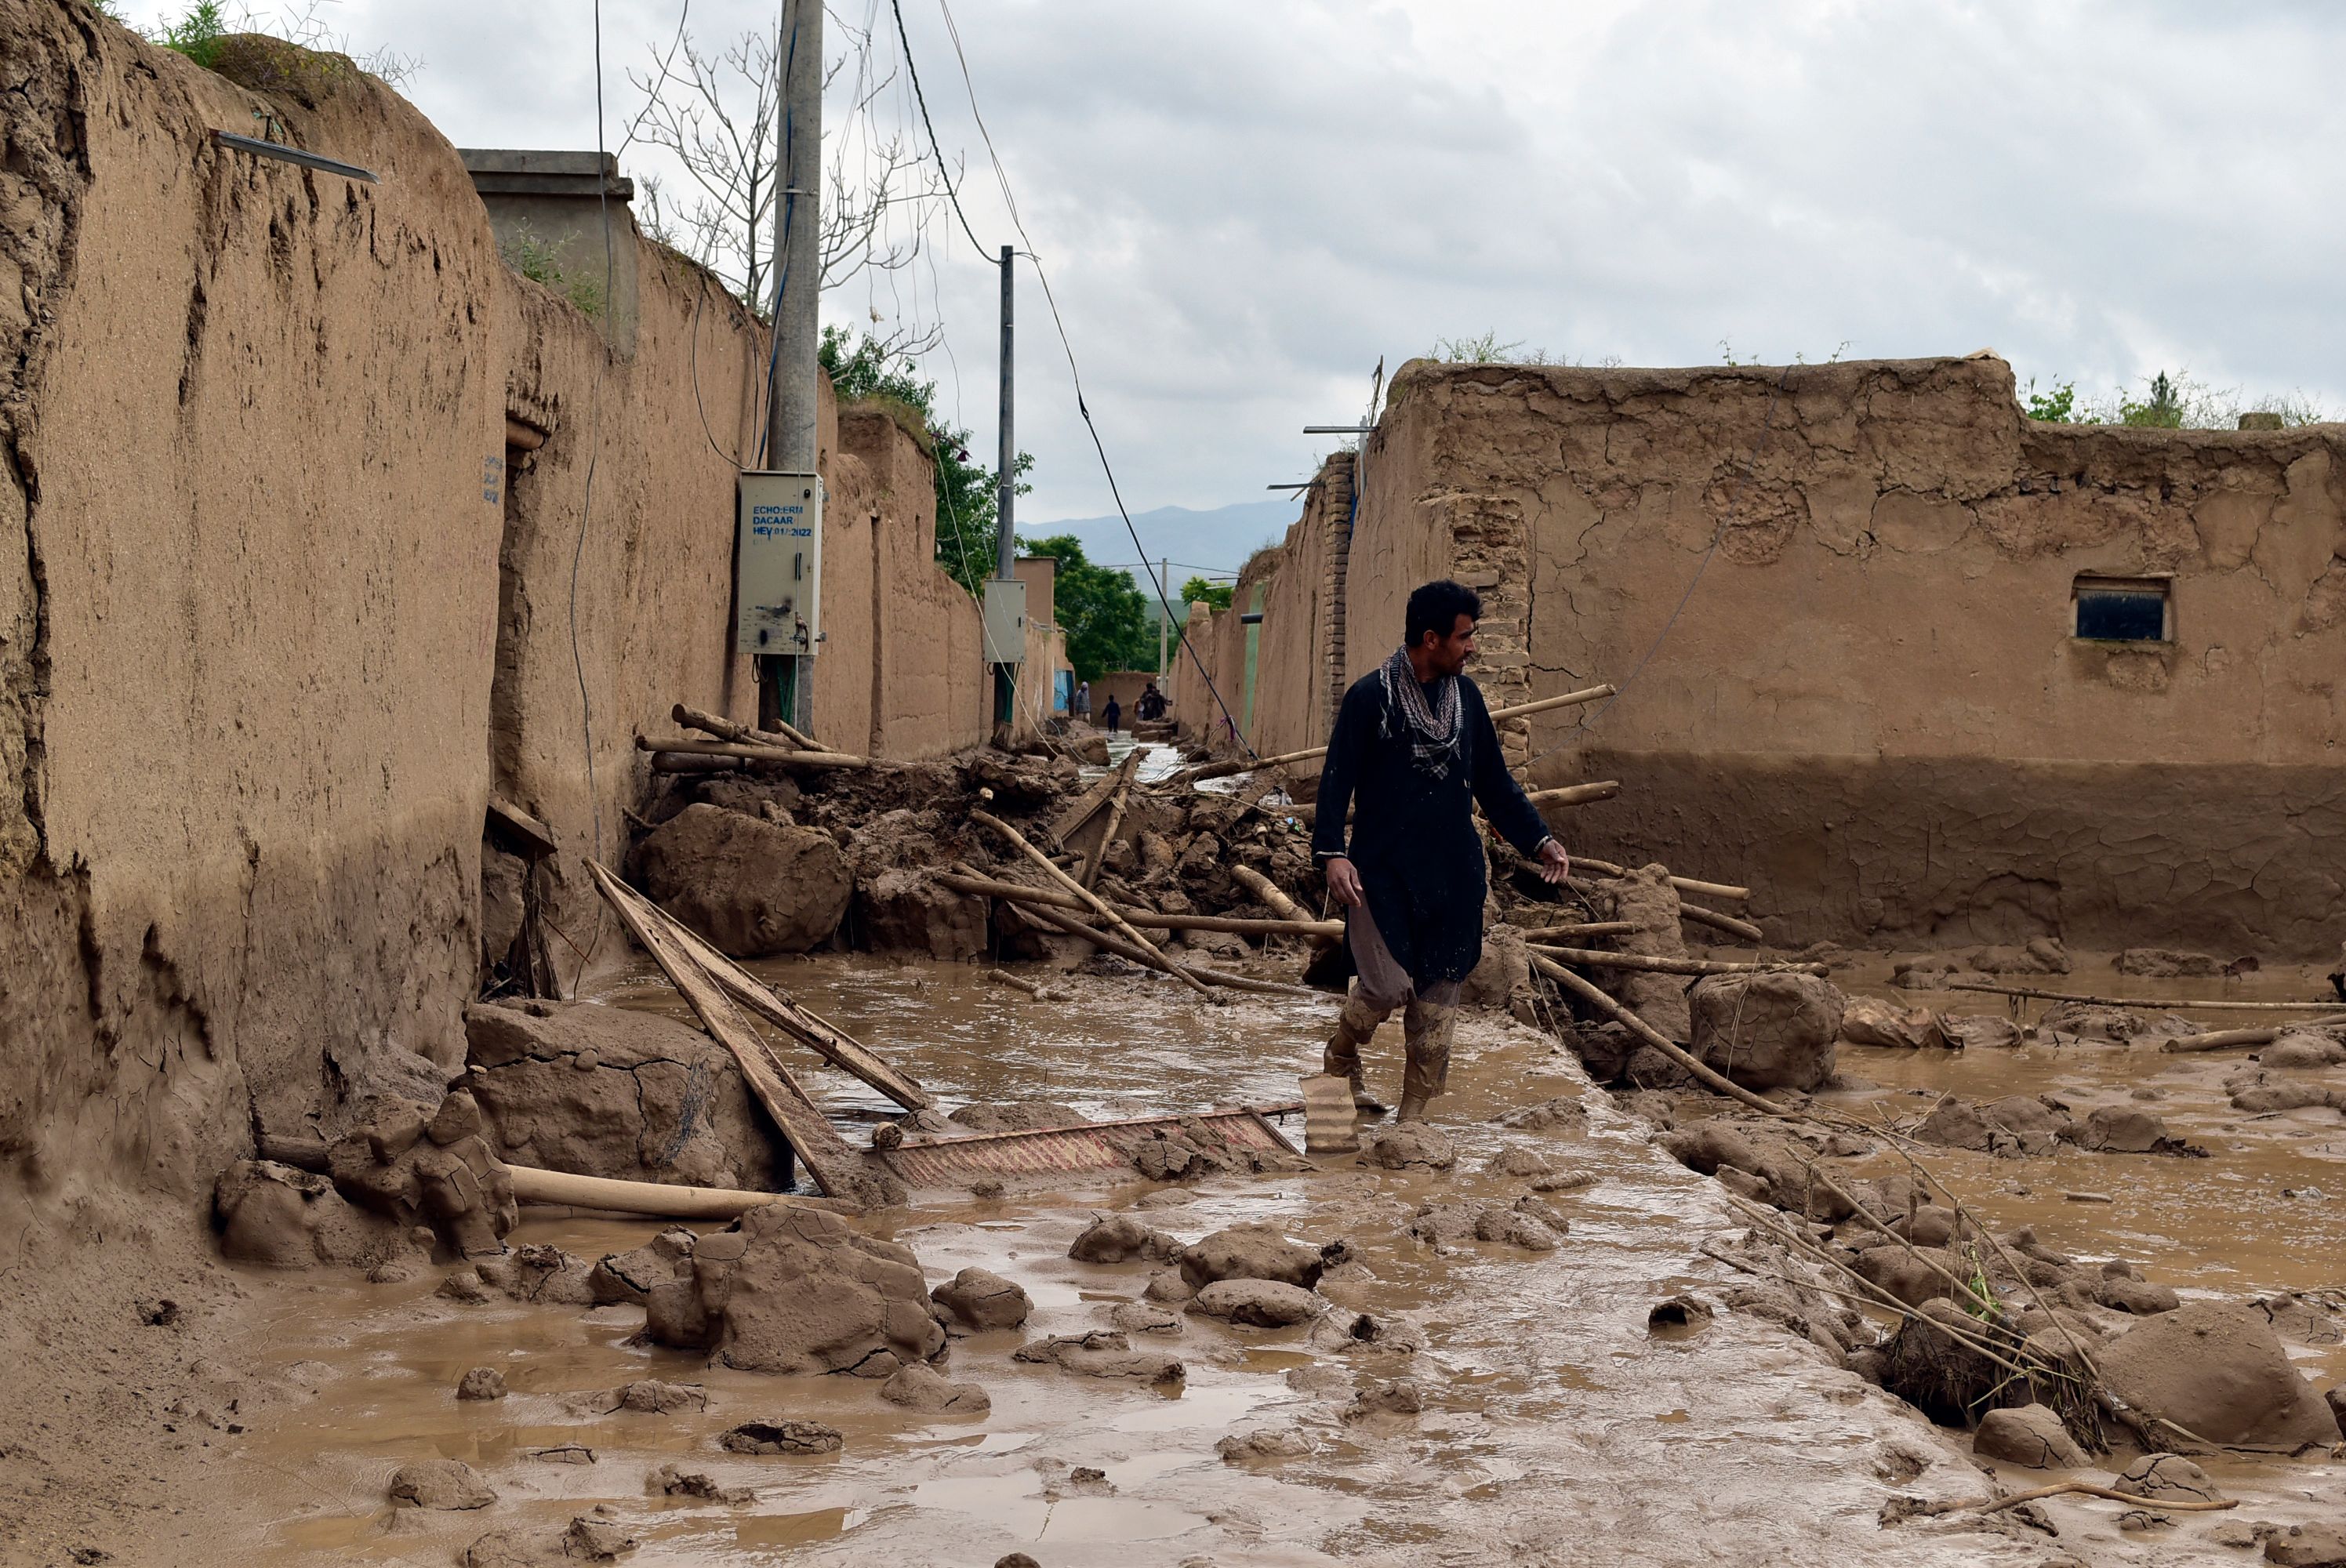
[[2124, 609]]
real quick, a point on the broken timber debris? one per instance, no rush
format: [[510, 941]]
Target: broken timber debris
[[787, 756], [1097, 905], [1019, 892], [1592, 959], [2260, 1034], [724, 729], [1683, 884], [1069, 925], [1085, 1147], [2165, 1004], [653, 1197], [1585, 929], [823, 1152], [1575, 794]]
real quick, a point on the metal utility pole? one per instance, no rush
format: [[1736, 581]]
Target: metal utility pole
[[785, 691], [1006, 543], [1164, 615]]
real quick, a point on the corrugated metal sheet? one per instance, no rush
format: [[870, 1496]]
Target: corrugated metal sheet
[[1058, 1151]]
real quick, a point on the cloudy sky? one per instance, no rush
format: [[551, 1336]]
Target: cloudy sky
[[1244, 205]]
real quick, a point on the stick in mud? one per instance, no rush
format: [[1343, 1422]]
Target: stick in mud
[[1683, 884], [1107, 943], [725, 729], [2164, 1003], [1591, 958], [2258, 1034], [1097, 905], [1697, 915]]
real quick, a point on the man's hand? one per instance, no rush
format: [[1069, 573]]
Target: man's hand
[[1554, 865], [1344, 882]]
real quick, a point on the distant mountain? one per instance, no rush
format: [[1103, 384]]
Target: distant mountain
[[1218, 540]]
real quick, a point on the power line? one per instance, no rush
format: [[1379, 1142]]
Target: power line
[[935, 145]]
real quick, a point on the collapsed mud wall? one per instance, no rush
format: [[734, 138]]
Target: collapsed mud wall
[[295, 474], [1873, 708]]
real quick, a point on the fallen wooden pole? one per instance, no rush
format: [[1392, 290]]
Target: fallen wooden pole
[[2080, 1489], [822, 1151], [1712, 918], [1087, 805], [1033, 988], [1273, 896], [1683, 884], [1575, 794], [725, 729], [1115, 801], [1097, 905], [1313, 753], [1644, 1031], [1585, 929], [1196, 973], [609, 1193], [810, 1029], [1589, 958], [2169, 1003], [787, 756], [2261, 1035], [1147, 920]]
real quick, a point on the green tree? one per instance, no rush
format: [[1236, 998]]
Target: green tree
[[869, 371], [2058, 406], [1213, 595], [2160, 407], [1099, 610]]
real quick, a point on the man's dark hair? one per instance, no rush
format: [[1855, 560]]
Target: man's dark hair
[[1435, 609]]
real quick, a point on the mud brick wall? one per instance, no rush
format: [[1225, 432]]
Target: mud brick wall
[[293, 471], [1873, 708]]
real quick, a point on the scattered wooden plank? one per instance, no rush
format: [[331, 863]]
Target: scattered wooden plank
[[2165, 1004], [2260, 1034], [537, 837], [1696, 915], [822, 1151], [1097, 905], [1067, 823], [1683, 884], [654, 1197], [1147, 920], [1588, 958], [1068, 923], [786, 756], [1585, 929], [809, 1028], [725, 729], [1575, 794], [1097, 852]]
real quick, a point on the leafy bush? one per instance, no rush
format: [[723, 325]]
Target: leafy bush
[[197, 33], [1213, 595]]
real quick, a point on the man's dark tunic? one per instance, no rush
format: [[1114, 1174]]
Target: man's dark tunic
[[1413, 840]]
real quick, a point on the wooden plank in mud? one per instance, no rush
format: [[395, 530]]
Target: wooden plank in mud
[[1067, 823], [809, 1028], [822, 1151]]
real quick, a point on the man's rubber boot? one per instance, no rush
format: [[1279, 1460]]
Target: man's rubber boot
[[1355, 1027], [1426, 1030]]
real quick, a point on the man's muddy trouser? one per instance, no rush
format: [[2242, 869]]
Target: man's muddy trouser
[[1429, 1019]]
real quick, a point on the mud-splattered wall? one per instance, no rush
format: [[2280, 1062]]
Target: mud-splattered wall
[[294, 479], [1873, 708]]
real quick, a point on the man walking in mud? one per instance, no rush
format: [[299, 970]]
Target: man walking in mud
[[1413, 752]]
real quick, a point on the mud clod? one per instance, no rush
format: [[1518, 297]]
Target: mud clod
[[922, 1387], [482, 1383], [1412, 1146], [980, 1301], [440, 1483], [782, 1437]]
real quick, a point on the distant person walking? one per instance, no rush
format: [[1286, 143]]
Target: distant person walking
[[1112, 713], [1083, 703], [1413, 750], [1149, 706]]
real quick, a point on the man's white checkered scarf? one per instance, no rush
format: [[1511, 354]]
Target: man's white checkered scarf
[[1433, 731]]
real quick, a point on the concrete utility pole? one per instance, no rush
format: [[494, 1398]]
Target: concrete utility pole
[[1164, 615], [1006, 542], [790, 396]]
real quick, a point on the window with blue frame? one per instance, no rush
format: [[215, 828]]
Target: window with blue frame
[[2124, 609]]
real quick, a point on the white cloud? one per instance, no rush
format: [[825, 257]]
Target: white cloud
[[1244, 206]]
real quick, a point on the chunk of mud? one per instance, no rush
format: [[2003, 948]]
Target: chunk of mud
[[1168, 1286], [1400, 1397], [2321, 1543], [585, 1539], [1517, 1161], [1934, 973], [441, 1484], [2299, 1320], [650, 1395], [283, 1217], [1884, 1025], [782, 1437], [463, 1285], [1933, 1364], [2130, 1293], [1016, 1560], [922, 1387], [2217, 1370], [2126, 1130], [1646, 899], [2167, 1478], [1016, 1116], [1119, 1238], [670, 1481], [2167, 963], [794, 1291], [1680, 1313], [2030, 1436], [2075, 1022], [751, 886], [1767, 1031], [1262, 1303], [482, 1383], [1102, 1353], [980, 1301], [1411, 1145], [1981, 1032], [632, 1276], [1265, 1445], [1253, 1251], [901, 910], [2259, 1099], [1564, 1111], [2301, 1049], [541, 1274], [1140, 1317]]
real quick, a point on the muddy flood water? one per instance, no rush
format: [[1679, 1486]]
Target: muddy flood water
[[1555, 1428]]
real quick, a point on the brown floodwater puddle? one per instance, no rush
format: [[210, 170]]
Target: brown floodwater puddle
[[1555, 1429]]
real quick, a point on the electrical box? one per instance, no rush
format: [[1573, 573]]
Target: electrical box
[[777, 564], [1005, 621]]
